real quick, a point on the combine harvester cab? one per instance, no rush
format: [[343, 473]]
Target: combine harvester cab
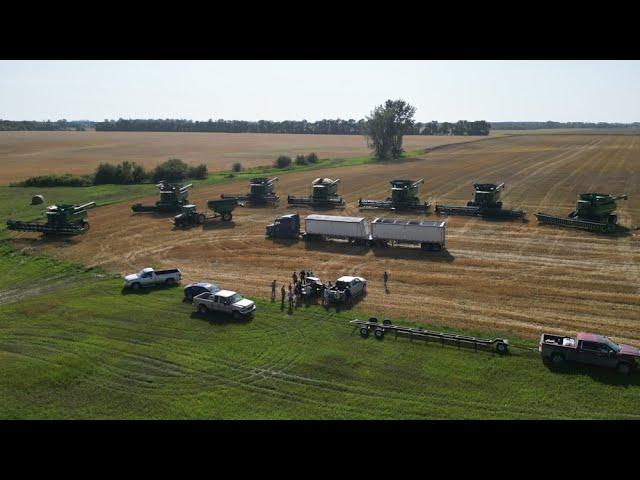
[[324, 194], [403, 197], [261, 192], [594, 213], [172, 198], [486, 203], [61, 220]]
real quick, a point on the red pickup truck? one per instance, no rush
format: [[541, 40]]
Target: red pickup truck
[[588, 348]]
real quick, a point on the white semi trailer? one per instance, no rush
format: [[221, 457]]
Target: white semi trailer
[[321, 227], [430, 235]]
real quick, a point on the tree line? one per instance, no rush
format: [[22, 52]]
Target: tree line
[[321, 127], [550, 124], [58, 125]]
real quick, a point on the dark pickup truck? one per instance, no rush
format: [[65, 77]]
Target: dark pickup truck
[[588, 348]]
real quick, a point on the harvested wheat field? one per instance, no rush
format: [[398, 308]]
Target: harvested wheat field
[[24, 154], [509, 277]]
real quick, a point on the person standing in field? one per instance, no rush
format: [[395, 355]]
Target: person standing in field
[[302, 275], [386, 278], [282, 292], [294, 277], [290, 298], [273, 291]]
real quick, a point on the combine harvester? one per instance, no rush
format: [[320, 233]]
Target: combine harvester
[[61, 220], [172, 198], [594, 212], [261, 192], [324, 194], [486, 203], [358, 231], [403, 197]]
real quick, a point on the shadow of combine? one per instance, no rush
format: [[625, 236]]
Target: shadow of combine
[[63, 241], [599, 374]]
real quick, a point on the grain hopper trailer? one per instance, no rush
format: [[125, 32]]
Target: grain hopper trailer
[[223, 208], [261, 191], [286, 226], [324, 194], [430, 235], [62, 219], [486, 203], [403, 197], [594, 212], [172, 197]]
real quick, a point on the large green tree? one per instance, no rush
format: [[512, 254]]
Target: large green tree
[[386, 125]]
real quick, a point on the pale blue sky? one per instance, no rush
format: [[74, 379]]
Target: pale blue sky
[[590, 91]]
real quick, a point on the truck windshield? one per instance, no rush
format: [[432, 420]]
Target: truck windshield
[[341, 285], [235, 298], [614, 346]]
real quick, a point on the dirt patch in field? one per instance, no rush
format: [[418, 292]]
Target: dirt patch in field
[[24, 154], [497, 276]]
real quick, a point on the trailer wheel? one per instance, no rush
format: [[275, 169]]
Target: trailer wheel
[[364, 332], [226, 216], [379, 333], [373, 320], [386, 322], [502, 348], [201, 218], [557, 359], [203, 309]]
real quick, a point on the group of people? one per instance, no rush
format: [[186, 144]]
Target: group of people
[[295, 289]]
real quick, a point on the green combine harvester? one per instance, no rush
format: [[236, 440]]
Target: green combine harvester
[[261, 192], [172, 198], [403, 197], [486, 203], [594, 212], [62, 219], [324, 194]]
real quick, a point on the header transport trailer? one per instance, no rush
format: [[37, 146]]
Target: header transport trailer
[[430, 235]]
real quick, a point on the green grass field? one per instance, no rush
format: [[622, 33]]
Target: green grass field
[[82, 348]]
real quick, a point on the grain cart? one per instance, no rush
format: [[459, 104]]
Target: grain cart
[[172, 198], [594, 212], [61, 220], [403, 197], [486, 203], [261, 192], [497, 345], [324, 194], [286, 226], [223, 208]]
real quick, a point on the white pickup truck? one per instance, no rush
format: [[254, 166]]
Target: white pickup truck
[[346, 289], [224, 301], [148, 277]]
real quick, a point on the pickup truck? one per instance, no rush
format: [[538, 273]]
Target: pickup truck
[[148, 277], [346, 289], [224, 301], [588, 348]]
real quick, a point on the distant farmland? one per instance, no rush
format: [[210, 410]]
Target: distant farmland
[[24, 154]]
